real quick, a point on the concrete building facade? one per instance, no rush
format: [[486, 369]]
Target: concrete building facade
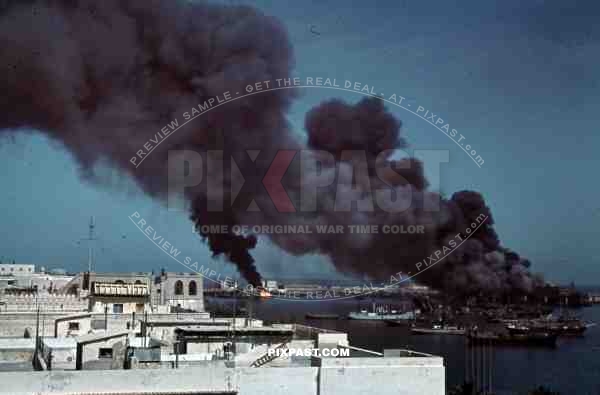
[[119, 298], [179, 291]]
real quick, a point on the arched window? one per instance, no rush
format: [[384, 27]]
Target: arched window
[[178, 288], [193, 288], [138, 282], [119, 282]]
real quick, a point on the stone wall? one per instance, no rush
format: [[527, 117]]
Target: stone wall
[[16, 350], [15, 324]]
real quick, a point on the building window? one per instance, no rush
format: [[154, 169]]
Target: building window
[[138, 282], [178, 288], [73, 326], [117, 308], [119, 282], [193, 288], [105, 352]]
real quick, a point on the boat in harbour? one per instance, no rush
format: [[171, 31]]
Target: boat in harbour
[[383, 313], [439, 329], [562, 326]]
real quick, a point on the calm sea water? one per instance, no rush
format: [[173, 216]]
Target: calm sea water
[[572, 368]]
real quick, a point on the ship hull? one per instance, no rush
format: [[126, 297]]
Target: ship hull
[[381, 317]]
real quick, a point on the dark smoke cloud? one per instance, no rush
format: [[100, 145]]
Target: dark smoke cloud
[[406, 171], [336, 126], [102, 77]]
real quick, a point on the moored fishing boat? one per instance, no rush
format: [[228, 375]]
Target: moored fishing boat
[[438, 329]]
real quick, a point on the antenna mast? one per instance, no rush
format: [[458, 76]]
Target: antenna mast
[[91, 238]]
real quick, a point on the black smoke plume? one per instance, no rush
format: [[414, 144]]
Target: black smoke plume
[[103, 77]]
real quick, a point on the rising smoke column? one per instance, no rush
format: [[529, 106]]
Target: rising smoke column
[[102, 77], [478, 264]]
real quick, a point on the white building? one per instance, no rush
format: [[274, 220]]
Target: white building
[[119, 298], [25, 277]]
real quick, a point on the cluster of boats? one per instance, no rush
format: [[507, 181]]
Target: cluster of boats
[[532, 332], [560, 327], [526, 332]]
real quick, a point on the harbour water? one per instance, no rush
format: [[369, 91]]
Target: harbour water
[[573, 367]]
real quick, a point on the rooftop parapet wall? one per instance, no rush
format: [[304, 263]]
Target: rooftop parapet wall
[[393, 376], [45, 302], [40, 296], [359, 378]]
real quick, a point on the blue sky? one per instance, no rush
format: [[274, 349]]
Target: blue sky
[[519, 81]]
